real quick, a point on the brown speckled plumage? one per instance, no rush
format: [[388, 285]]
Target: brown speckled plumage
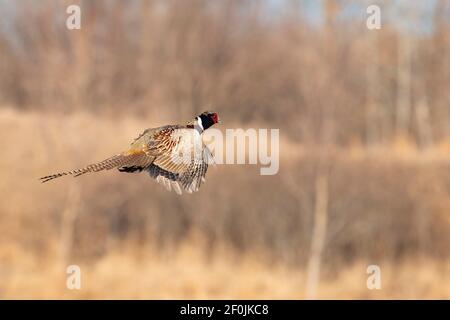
[[158, 150]]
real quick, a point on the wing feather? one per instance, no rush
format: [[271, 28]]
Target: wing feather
[[188, 176]]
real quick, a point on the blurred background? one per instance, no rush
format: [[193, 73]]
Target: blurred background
[[364, 153]]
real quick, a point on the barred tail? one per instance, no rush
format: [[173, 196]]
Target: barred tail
[[110, 163]]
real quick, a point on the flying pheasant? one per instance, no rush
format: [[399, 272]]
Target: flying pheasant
[[174, 155]]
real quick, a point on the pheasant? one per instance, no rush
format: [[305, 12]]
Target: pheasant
[[174, 155]]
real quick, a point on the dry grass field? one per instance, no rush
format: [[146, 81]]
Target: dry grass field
[[188, 274], [45, 228]]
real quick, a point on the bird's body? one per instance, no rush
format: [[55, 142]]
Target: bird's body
[[174, 155]]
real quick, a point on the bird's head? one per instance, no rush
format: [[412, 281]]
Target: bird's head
[[207, 119]]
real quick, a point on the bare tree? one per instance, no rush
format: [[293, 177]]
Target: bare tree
[[373, 90], [403, 113], [69, 216], [318, 235]]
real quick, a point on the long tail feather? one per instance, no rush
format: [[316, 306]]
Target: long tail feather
[[110, 163]]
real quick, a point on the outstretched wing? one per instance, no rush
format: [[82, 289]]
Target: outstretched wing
[[175, 175]]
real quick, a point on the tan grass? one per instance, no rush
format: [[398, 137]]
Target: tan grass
[[188, 274], [31, 265]]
